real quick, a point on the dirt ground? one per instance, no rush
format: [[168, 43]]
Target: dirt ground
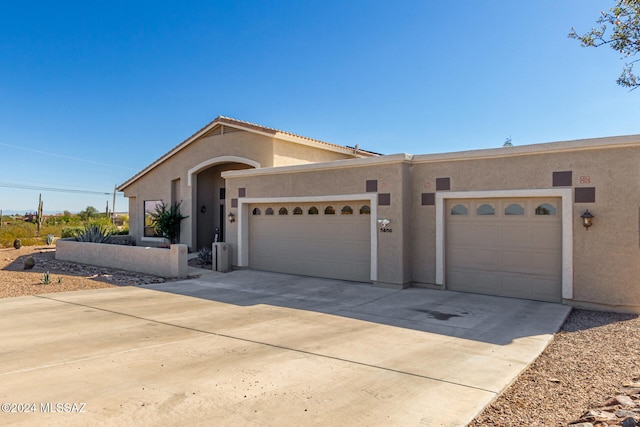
[[63, 276]]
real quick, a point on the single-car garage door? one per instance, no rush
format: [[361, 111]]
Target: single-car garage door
[[505, 247], [330, 240]]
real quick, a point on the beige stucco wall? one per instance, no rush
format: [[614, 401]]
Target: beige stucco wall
[[258, 149], [326, 180], [606, 267], [606, 259], [171, 262], [286, 153]]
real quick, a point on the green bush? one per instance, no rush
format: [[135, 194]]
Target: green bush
[[123, 232], [166, 220], [68, 232]]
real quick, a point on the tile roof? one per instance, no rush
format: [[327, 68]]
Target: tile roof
[[222, 120]]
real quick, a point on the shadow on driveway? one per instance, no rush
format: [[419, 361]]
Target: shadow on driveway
[[489, 319]]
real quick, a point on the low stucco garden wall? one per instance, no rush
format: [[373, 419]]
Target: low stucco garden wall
[[162, 262]]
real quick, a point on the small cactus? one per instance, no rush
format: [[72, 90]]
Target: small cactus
[[46, 279], [29, 263], [17, 243], [50, 239]]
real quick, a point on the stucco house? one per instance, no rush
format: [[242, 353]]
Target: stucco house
[[505, 221]]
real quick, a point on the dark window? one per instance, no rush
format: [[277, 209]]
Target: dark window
[[485, 209], [149, 208], [545, 209], [514, 209], [459, 210]]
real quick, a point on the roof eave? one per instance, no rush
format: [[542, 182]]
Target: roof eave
[[249, 127]]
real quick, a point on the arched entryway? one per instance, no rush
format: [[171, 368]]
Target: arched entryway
[[208, 198]]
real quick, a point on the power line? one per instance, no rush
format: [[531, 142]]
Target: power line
[[60, 190], [65, 157]]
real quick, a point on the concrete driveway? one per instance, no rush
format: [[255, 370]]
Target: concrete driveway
[[253, 348]]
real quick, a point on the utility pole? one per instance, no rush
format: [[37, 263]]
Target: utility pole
[[113, 205]]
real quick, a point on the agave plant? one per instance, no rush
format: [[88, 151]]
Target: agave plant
[[94, 234], [205, 255]]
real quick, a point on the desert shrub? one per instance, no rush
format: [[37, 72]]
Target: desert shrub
[[71, 232], [50, 239], [166, 221], [18, 230], [119, 232], [94, 234], [17, 243]]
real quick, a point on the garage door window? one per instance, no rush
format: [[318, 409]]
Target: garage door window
[[485, 209], [365, 210], [283, 211], [459, 210], [297, 210], [268, 211], [346, 210], [514, 209], [313, 210], [256, 211], [329, 210], [545, 209]]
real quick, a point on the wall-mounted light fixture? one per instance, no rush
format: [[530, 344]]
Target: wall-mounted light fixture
[[203, 209], [383, 222], [587, 219], [231, 217]]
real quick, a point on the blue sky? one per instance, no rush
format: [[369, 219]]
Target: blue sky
[[92, 92]]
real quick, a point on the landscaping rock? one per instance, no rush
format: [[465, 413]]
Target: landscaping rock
[[29, 263], [621, 410]]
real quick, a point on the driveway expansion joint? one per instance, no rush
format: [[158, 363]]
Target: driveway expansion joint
[[275, 346]]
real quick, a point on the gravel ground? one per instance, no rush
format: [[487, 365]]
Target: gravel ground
[[585, 364], [64, 276]]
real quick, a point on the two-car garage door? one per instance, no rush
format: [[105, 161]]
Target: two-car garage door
[[330, 240], [508, 247]]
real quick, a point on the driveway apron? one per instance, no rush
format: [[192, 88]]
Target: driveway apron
[[256, 348]]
